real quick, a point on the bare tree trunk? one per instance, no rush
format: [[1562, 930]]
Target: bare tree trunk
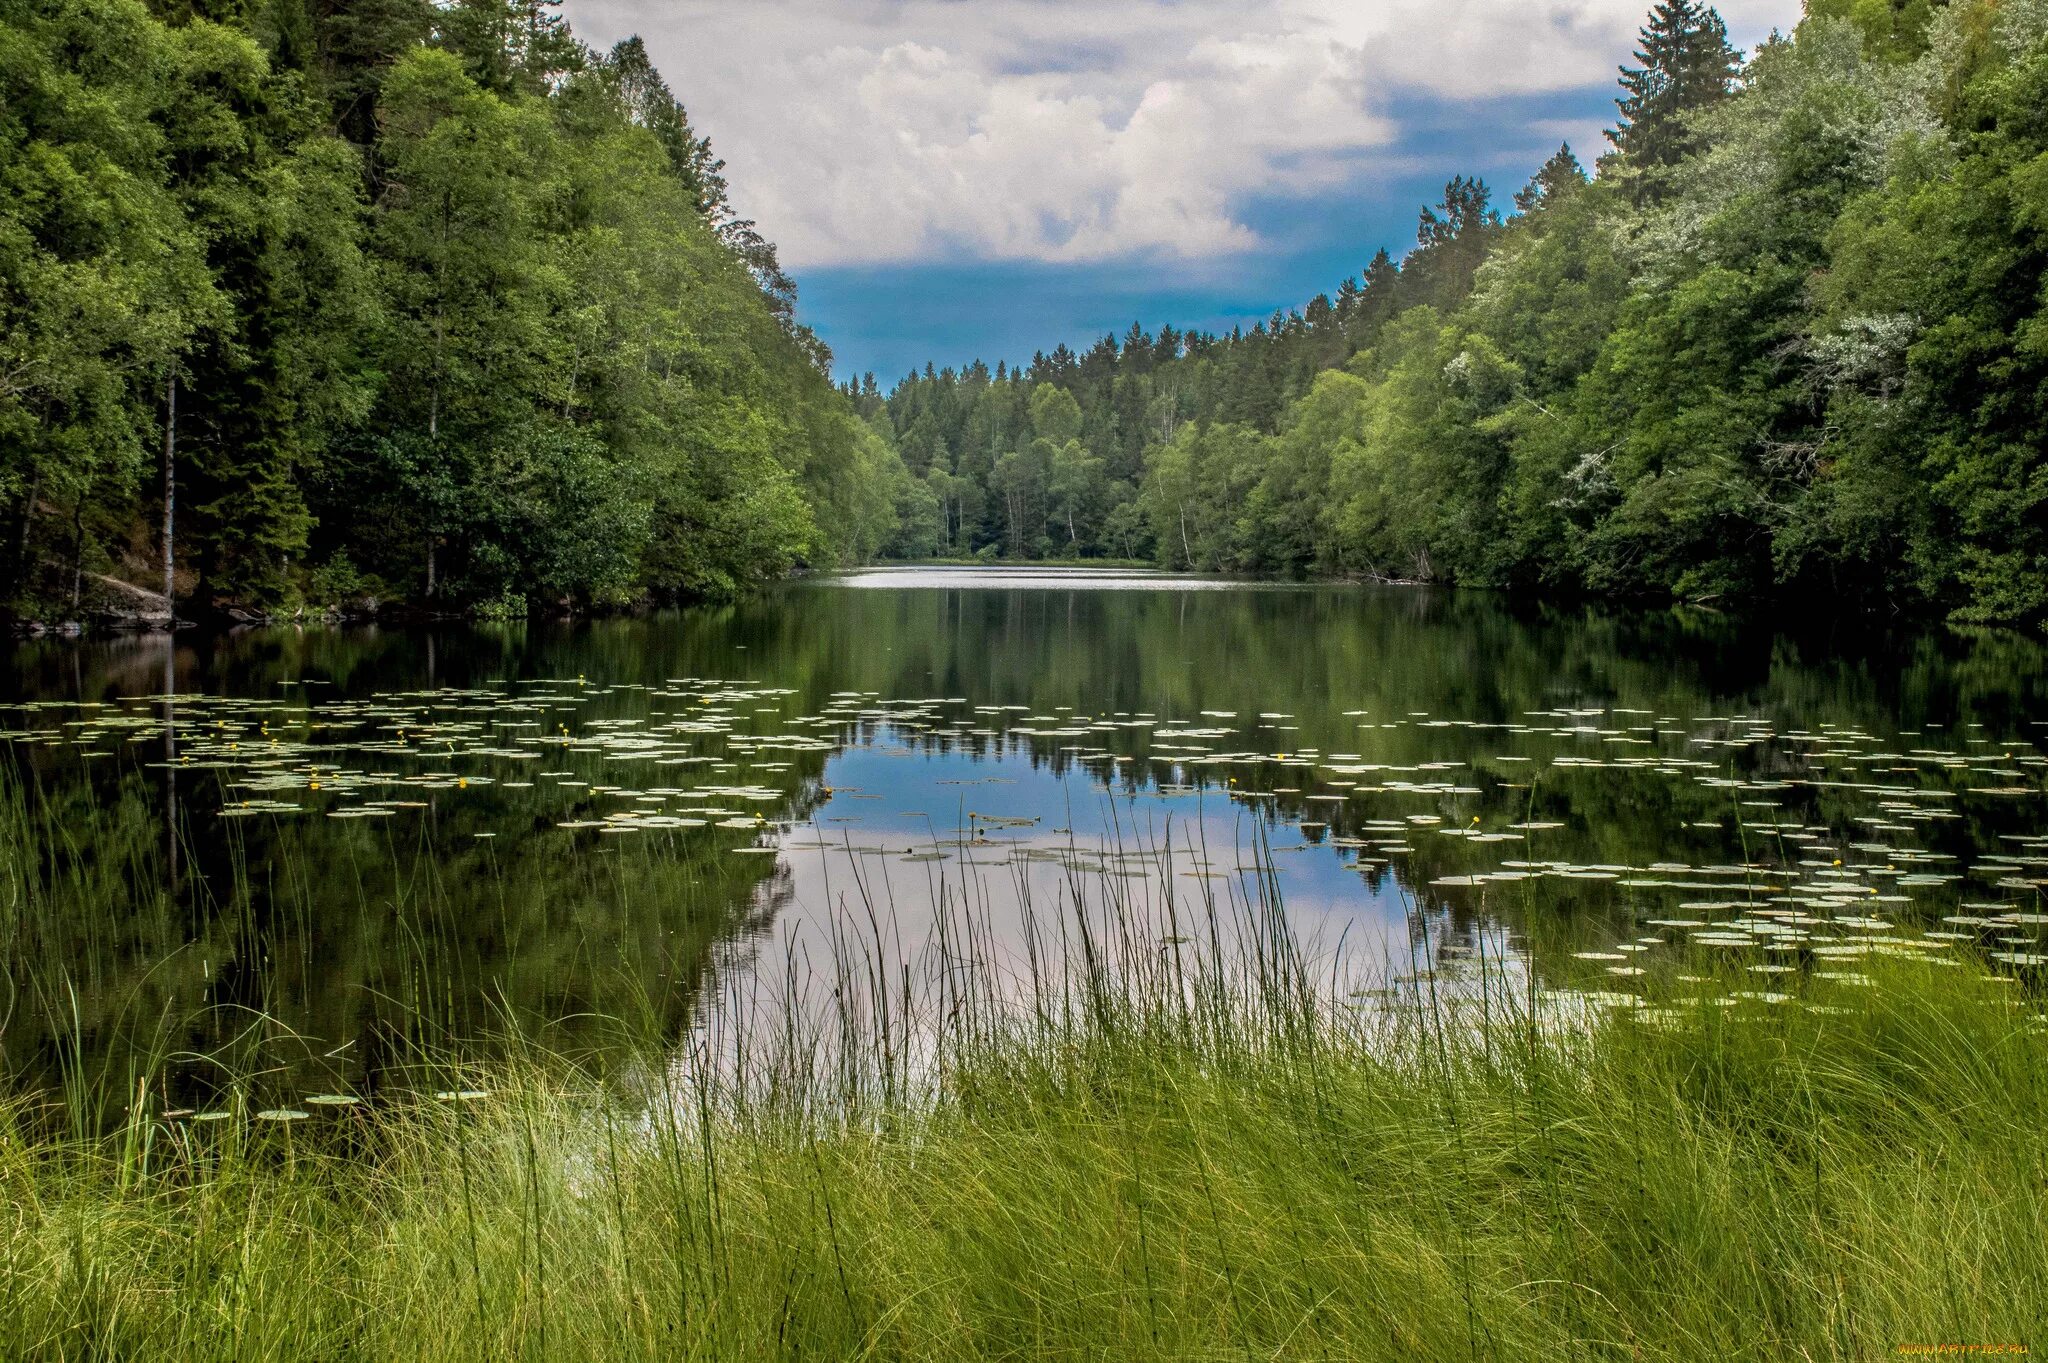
[[433, 437], [77, 552], [170, 493], [434, 394], [28, 515]]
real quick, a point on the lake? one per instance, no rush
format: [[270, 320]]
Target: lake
[[309, 861]]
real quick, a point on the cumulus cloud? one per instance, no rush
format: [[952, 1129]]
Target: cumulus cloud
[[872, 131]]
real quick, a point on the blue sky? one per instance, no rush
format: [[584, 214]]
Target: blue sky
[[892, 317], [952, 179]]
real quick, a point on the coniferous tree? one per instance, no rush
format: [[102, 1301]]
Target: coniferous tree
[[649, 103], [1769, 352], [1687, 65], [356, 43], [1558, 176], [1378, 299], [1451, 240], [511, 46]]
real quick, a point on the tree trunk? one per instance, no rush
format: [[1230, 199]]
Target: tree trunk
[[77, 552], [434, 393], [28, 515], [170, 493]]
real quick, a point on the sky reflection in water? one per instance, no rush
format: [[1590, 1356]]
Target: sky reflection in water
[[335, 848]]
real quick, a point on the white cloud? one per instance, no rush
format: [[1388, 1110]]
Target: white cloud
[[864, 131]]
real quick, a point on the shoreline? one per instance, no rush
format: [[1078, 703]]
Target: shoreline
[[1136, 1183], [106, 622]]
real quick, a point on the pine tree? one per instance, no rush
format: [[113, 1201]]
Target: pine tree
[[1451, 240], [1137, 350], [510, 46], [1561, 174], [1463, 210], [356, 42], [1348, 294], [1376, 300], [1381, 273], [647, 101], [1687, 65]]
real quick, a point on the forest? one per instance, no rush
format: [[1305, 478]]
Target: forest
[[312, 303], [306, 303], [1784, 341]]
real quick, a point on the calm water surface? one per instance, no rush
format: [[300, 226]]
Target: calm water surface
[[311, 855]]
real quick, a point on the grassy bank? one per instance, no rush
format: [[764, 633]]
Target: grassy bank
[[1753, 1181]]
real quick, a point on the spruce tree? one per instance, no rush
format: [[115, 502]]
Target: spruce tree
[[1687, 65], [1559, 175], [1377, 301], [1451, 240]]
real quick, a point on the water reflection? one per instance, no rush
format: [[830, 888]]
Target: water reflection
[[321, 854]]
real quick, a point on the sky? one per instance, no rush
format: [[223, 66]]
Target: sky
[[958, 179]]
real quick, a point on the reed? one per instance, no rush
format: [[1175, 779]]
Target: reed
[[1165, 1129]]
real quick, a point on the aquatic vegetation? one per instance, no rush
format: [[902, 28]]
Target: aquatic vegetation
[[874, 972], [1131, 1166], [560, 847]]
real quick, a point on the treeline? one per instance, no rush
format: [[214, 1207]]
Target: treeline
[[414, 299], [1789, 343]]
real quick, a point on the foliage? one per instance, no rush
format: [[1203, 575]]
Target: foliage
[[438, 291], [1687, 65], [1123, 1181], [1787, 343]]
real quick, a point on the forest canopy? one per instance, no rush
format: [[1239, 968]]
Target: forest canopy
[[394, 299], [313, 301], [1785, 339]]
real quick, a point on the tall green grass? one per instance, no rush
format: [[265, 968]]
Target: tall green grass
[[1783, 1182], [1162, 1130]]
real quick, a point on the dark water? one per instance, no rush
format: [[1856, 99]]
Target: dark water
[[314, 856]]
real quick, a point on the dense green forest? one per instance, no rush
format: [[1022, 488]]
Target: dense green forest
[[1788, 343], [429, 302], [401, 299]]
